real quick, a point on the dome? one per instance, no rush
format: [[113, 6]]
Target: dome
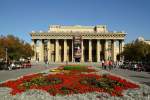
[[140, 39]]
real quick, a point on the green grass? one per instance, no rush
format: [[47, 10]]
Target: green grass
[[75, 67]]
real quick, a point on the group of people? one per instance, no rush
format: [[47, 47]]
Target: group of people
[[108, 64]]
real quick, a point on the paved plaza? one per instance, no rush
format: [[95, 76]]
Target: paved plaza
[[141, 77]]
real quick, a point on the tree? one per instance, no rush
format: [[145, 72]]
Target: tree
[[136, 51], [2, 50], [16, 48], [2, 53], [27, 51]]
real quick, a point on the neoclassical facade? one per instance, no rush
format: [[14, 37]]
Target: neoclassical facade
[[77, 44]]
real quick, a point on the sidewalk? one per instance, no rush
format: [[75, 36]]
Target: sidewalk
[[141, 77]]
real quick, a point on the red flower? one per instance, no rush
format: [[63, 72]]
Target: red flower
[[68, 84], [118, 88]]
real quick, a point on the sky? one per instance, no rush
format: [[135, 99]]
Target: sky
[[20, 17]]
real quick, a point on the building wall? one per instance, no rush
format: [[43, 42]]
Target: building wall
[[96, 45]]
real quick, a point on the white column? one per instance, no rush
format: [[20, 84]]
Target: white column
[[49, 50], [114, 54], [90, 50], [106, 50], [41, 53], [82, 51], [65, 50], [68, 51], [33, 45], [72, 50], [98, 51], [121, 46], [56, 50], [122, 49]]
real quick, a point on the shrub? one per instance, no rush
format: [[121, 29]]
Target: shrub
[[75, 67]]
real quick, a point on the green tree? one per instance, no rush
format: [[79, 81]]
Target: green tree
[[136, 51], [2, 52], [2, 49], [16, 48], [27, 51]]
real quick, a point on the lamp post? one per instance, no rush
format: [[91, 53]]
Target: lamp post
[[6, 54]]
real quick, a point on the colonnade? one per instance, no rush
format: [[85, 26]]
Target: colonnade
[[61, 52]]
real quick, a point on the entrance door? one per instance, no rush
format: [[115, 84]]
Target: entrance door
[[77, 48]]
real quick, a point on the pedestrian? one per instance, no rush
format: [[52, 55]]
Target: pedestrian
[[135, 67], [102, 64], [113, 64], [11, 66], [105, 64], [110, 65]]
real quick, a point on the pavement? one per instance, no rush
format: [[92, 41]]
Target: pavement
[[141, 77], [12, 74]]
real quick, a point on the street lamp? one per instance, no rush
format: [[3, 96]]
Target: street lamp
[[6, 54]]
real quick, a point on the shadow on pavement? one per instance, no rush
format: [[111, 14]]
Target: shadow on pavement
[[141, 77]]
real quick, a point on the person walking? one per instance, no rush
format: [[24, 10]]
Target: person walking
[[110, 65], [103, 64], [11, 66], [135, 67]]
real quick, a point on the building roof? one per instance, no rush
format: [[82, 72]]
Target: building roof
[[77, 28]]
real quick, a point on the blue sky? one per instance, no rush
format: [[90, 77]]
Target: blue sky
[[19, 17]]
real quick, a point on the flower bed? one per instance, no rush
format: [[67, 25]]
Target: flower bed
[[76, 81], [73, 69]]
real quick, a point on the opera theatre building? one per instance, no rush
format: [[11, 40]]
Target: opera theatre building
[[76, 44]]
